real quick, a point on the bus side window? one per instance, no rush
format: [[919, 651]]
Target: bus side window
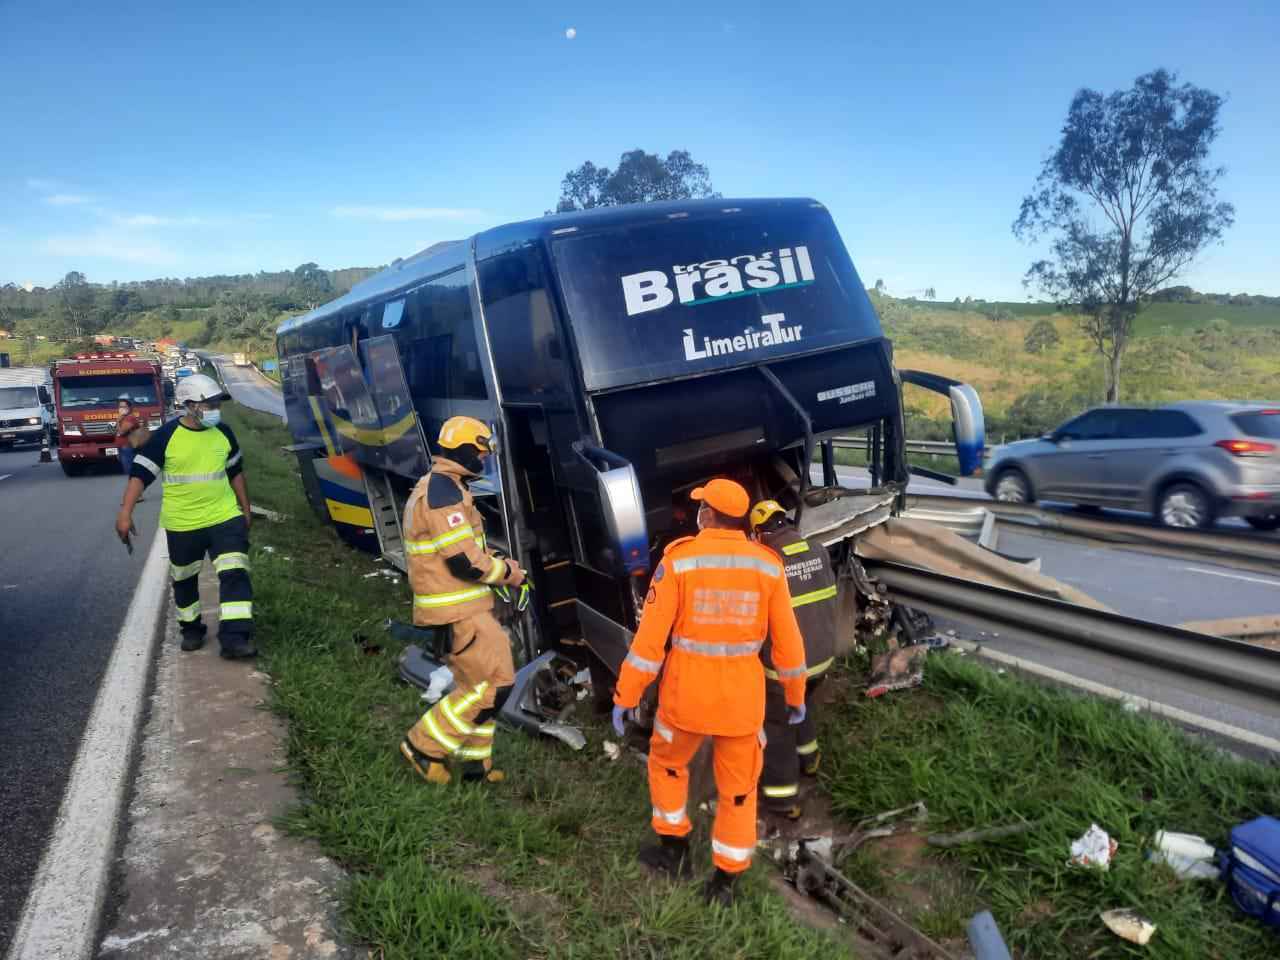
[[528, 351], [443, 359]]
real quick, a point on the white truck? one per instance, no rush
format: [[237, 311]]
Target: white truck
[[240, 359], [26, 405]]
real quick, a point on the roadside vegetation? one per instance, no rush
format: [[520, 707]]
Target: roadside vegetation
[[543, 866]]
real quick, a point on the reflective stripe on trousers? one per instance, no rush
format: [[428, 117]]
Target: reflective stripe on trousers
[[231, 561], [185, 571], [237, 610], [189, 613], [738, 854], [449, 599]]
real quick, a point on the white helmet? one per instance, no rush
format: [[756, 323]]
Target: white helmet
[[198, 387]]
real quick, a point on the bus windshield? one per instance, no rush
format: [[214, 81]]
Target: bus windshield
[[106, 391], [663, 300], [16, 398]]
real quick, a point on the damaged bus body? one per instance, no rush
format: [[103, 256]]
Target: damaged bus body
[[623, 356]]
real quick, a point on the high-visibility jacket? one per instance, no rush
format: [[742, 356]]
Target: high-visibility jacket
[[196, 468], [715, 597], [812, 583], [451, 569]]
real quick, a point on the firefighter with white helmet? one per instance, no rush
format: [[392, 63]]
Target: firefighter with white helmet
[[205, 511], [453, 573]]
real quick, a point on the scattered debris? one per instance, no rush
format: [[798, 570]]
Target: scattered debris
[[981, 836], [919, 812], [441, 679], [1094, 849], [1129, 926], [985, 938], [392, 575], [1188, 855], [367, 648], [271, 515], [612, 750], [876, 926], [898, 669], [267, 548], [1130, 706]]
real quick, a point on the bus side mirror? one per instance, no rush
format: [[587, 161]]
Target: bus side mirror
[[966, 415], [619, 491]]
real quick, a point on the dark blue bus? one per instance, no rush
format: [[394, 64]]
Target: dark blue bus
[[623, 355]]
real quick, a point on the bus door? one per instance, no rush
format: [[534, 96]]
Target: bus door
[[404, 450]]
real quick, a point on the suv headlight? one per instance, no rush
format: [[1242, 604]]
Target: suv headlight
[[34, 421]]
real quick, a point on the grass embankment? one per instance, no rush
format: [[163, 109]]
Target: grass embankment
[[983, 750], [543, 866]]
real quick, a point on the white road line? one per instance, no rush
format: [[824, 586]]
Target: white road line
[[5, 476], [60, 919], [1272, 582]]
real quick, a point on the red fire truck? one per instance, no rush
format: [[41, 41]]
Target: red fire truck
[[86, 390]]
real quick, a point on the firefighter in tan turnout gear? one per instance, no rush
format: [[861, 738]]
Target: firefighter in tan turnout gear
[[452, 574], [793, 748]]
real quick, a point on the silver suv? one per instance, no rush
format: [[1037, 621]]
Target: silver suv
[[1186, 463]]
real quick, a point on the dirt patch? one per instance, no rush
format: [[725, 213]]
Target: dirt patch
[[527, 903]]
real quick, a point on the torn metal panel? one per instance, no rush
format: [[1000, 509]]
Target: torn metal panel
[[936, 549]]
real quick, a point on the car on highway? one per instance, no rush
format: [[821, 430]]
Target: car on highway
[[1187, 464]]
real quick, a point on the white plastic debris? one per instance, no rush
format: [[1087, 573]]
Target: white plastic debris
[[1190, 856], [267, 549], [1129, 926], [1129, 706], [1094, 849], [440, 680], [612, 750]]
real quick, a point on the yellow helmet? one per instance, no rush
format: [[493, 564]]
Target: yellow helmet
[[763, 510], [459, 430]]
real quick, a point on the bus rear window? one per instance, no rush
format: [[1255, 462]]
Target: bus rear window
[[661, 300], [1259, 423]]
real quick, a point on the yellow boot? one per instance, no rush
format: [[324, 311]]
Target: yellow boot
[[430, 769]]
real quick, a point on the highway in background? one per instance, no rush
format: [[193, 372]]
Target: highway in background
[[65, 585], [247, 386]]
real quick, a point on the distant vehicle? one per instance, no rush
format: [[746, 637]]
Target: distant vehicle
[[240, 359], [1187, 463], [184, 372], [86, 389], [26, 405]]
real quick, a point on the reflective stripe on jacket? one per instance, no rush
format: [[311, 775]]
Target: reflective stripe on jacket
[[812, 583], [714, 597], [441, 522]]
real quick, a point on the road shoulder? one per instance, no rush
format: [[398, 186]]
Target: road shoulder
[[206, 873]]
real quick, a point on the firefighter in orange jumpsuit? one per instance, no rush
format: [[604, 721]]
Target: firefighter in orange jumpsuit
[[715, 597], [452, 574]]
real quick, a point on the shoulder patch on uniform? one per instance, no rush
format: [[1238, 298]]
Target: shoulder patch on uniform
[[442, 491], [659, 573], [456, 519], [675, 543]]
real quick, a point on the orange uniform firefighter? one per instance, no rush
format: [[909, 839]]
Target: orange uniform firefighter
[[452, 574], [714, 597]]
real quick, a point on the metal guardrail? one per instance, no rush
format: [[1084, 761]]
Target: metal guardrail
[[1230, 671], [939, 448], [1243, 549]]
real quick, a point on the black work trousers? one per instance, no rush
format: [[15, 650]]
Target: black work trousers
[[789, 747], [227, 543]]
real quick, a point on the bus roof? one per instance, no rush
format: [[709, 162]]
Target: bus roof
[[442, 257]]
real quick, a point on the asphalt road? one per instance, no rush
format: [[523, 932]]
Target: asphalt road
[[65, 584], [249, 387]]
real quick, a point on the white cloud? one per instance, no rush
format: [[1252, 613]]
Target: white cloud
[[65, 199], [150, 220], [405, 214], [571, 33], [109, 245]]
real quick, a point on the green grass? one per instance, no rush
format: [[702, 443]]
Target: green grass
[[1189, 317], [541, 866], [985, 750]]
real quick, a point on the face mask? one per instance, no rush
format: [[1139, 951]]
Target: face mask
[[210, 418], [123, 412]]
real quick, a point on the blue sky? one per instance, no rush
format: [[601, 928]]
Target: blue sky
[[152, 139]]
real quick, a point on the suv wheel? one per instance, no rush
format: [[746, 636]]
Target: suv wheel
[[1185, 505], [1012, 487], [1269, 522]]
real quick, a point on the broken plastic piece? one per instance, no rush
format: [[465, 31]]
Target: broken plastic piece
[[612, 750], [1129, 926], [1094, 849]]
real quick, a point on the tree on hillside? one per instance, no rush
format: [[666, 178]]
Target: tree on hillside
[[76, 305], [879, 287], [311, 285], [996, 313], [640, 178], [930, 293], [1130, 200], [1042, 336]]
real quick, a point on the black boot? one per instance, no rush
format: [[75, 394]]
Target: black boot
[[193, 636], [670, 856], [719, 888]]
